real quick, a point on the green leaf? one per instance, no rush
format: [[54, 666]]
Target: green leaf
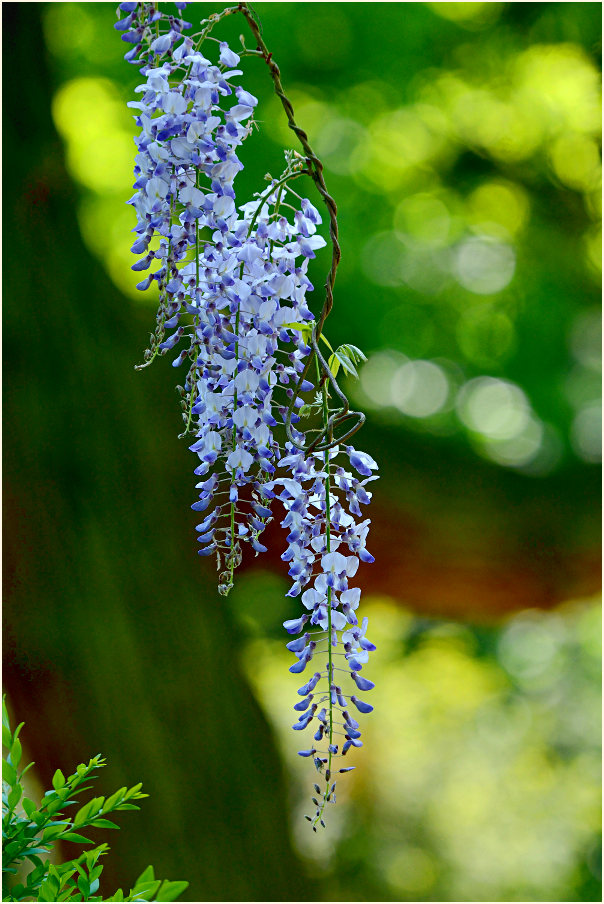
[[53, 831], [326, 341], [15, 796], [148, 875], [91, 857], [27, 768], [304, 328], [28, 805], [146, 890], [58, 780], [5, 720], [349, 355], [334, 364], [66, 876], [73, 836], [12, 847], [84, 886], [15, 752], [9, 773], [170, 891], [76, 789], [96, 805], [103, 823], [31, 853], [134, 791], [6, 735], [82, 814], [54, 806], [347, 363], [48, 890], [113, 800], [38, 873], [360, 356]]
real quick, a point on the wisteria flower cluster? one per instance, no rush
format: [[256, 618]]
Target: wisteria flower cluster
[[232, 280]]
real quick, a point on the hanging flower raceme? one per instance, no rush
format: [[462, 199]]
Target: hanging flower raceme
[[186, 162], [141, 26], [241, 287], [232, 280], [326, 542], [245, 372]]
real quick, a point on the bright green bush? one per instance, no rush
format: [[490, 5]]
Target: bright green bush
[[30, 831]]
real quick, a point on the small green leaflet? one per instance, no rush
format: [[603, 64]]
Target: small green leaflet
[[347, 356]]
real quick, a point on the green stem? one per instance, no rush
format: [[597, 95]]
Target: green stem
[[324, 391]]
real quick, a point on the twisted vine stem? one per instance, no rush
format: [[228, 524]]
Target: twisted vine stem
[[316, 172], [316, 167]]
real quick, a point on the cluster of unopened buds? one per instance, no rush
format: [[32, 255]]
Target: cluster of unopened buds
[[232, 281]]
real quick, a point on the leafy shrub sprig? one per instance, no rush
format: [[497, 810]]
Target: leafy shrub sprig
[[30, 832]]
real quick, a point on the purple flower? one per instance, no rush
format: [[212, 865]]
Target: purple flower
[[232, 281], [227, 57], [361, 461]]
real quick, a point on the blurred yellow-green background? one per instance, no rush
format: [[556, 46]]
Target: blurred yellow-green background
[[462, 144]]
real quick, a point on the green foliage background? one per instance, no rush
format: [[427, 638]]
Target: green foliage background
[[461, 143]]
